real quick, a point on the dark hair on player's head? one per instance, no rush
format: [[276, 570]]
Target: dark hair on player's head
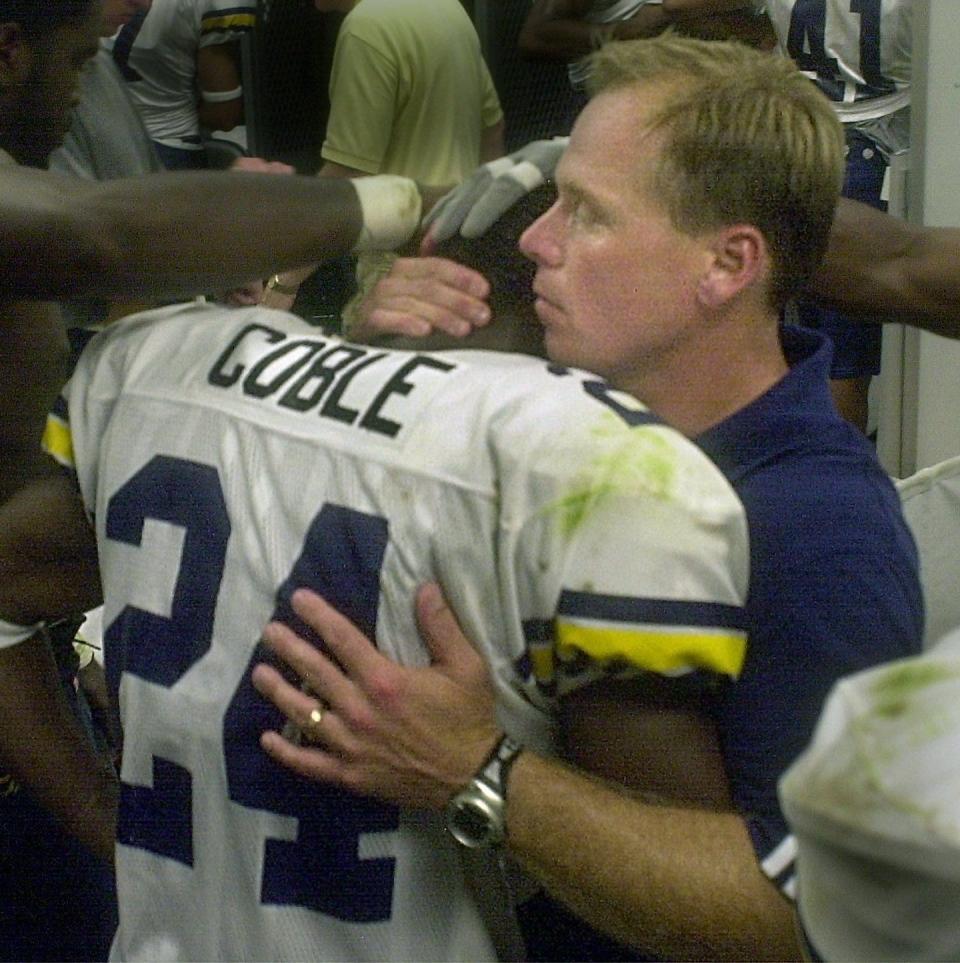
[[496, 255], [39, 17]]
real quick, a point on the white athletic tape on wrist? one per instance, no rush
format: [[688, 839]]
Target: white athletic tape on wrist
[[501, 165], [391, 209], [220, 96], [11, 634], [528, 175]]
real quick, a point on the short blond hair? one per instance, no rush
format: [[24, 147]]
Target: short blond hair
[[746, 139]]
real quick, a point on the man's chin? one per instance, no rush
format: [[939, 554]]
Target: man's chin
[[557, 351]]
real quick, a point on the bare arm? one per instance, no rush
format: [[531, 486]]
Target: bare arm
[[658, 858], [217, 74], [48, 568], [680, 10], [165, 235], [721, 20], [677, 880], [883, 268], [48, 551], [557, 30], [42, 745]]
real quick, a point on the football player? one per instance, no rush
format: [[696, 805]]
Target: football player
[[218, 462]]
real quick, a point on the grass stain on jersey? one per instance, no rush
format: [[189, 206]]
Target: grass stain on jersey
[[894, 688], [631, 461]]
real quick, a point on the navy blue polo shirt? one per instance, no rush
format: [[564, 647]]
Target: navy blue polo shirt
[[834, 588], [834, 579]]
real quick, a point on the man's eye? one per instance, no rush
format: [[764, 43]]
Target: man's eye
[[582, 214]]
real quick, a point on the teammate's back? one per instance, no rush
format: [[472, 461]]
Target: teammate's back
[[229, 457]]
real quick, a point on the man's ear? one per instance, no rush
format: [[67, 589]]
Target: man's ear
[[739, 259], [14, 55]]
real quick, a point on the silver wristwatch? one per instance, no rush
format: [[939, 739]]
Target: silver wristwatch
[[476, 815]]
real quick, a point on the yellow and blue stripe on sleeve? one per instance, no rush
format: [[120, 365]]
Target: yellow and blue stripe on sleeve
[[230, 20], [57, 440], [617, 633]]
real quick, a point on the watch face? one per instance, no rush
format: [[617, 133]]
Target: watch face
[[472, 823]]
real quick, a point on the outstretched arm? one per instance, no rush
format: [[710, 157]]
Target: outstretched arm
[[177, 234], [886, 269], [559, 30], [676, 878]]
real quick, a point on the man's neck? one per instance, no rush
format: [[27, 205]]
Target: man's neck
[[702, 383]]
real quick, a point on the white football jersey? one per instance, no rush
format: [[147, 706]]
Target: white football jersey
[[229, 456], [874, 802], [157, 55], [857, 51]]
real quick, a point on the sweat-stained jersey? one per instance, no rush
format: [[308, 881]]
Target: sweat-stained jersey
[[229, 456], [857, 51]]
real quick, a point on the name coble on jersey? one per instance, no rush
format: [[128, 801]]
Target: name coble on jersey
[[311, 375]]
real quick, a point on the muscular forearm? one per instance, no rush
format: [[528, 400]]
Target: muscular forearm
[[554, 35], [680, 883], [677, 881], [568, 38], [42, 744], [166, 235], [882, 268]]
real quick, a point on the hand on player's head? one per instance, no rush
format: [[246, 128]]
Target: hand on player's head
[[421, 296], [490, 191]]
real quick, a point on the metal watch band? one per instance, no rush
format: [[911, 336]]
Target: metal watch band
[[476, 815], [496, 771]]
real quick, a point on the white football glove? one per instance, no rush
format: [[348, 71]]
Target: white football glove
[[491, 190]]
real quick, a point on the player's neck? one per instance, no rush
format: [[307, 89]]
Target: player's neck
[[706, 381]]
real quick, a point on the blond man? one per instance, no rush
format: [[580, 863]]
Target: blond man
[[695, 197]]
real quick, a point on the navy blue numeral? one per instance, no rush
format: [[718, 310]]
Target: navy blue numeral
[[161, 649], [159, 818], [186, 494], [806, 44], [324, 868], [806, 40], [870, 26]]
